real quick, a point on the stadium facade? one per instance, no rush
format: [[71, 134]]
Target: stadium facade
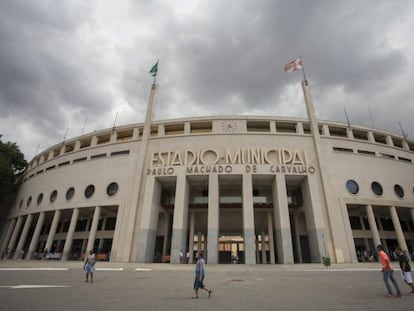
[[246, 189]]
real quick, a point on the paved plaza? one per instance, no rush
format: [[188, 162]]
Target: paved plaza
[[49, 285]]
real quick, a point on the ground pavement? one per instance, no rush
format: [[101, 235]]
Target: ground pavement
[[55, 285]]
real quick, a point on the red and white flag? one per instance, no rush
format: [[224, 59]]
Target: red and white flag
[[292, 66]]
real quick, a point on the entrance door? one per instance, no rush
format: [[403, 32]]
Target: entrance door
[[231, 250]]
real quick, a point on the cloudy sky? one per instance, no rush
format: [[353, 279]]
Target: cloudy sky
[[67, 61]]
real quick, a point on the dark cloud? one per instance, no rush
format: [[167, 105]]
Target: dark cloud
[[63, 61]]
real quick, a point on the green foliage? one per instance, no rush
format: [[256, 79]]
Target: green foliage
[[12, 163]]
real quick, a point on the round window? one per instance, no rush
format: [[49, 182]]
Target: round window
[[89, 191], [376, 188], [399, 191], [39, 198], [53, 196], [352, 186], [112, 188], [70, 193], [29, 201]]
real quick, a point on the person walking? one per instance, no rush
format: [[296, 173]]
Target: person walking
[[405, 268], [89, 265], [200, 272], [388, 273]]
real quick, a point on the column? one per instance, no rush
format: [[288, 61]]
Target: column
[[94, 228], [12, 223], [248, 220], [166, 232], [52, 231], [264, 260], [69, 237], [149, 220], [282, 221], [314, 218], [373, 225], [36, 234], [13, 239], [23, 236], [271, 241], [180, 222], [296, 217], [213, 219], [398, 229], [191, 237]]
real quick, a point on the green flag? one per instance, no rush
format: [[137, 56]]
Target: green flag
[[154, 69]]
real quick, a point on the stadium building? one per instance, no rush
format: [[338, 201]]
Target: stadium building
[[242, 188]]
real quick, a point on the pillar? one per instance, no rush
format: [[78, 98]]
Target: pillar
[[52, 231], [180, 222], [248, 220], [314, 219], [149, 220], [271, 241], [213, 219], [23, 236], [191, 237], [398, 229], [264, 260], [282, 221], [373, 225], [36, 234], [13, 238], [69, 237], [94, 228], [12, 223]]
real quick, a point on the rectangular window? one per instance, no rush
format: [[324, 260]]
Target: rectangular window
[[366, 152], [285, 127], [387, 224], [116, 153], [337, 131], [64, 163], [258, 126], [174, 129], [97, 156], [66, 225], [201, 127], [355, 222], [103, 139], [366, 223], [380, 139], [360, 135], [80, 160], [110, 223], [81, 225], [388, 156], [404, 159], [124, 135], [404, 226], [85, 143], [339, 149]]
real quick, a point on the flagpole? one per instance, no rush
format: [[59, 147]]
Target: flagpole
[[347, 119], [303, 69], [402, 130], [136, 234], [325, 239]]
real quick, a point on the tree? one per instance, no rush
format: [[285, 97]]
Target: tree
[[12, 164]]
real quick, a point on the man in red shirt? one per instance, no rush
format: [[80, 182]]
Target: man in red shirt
[[388, 272]]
